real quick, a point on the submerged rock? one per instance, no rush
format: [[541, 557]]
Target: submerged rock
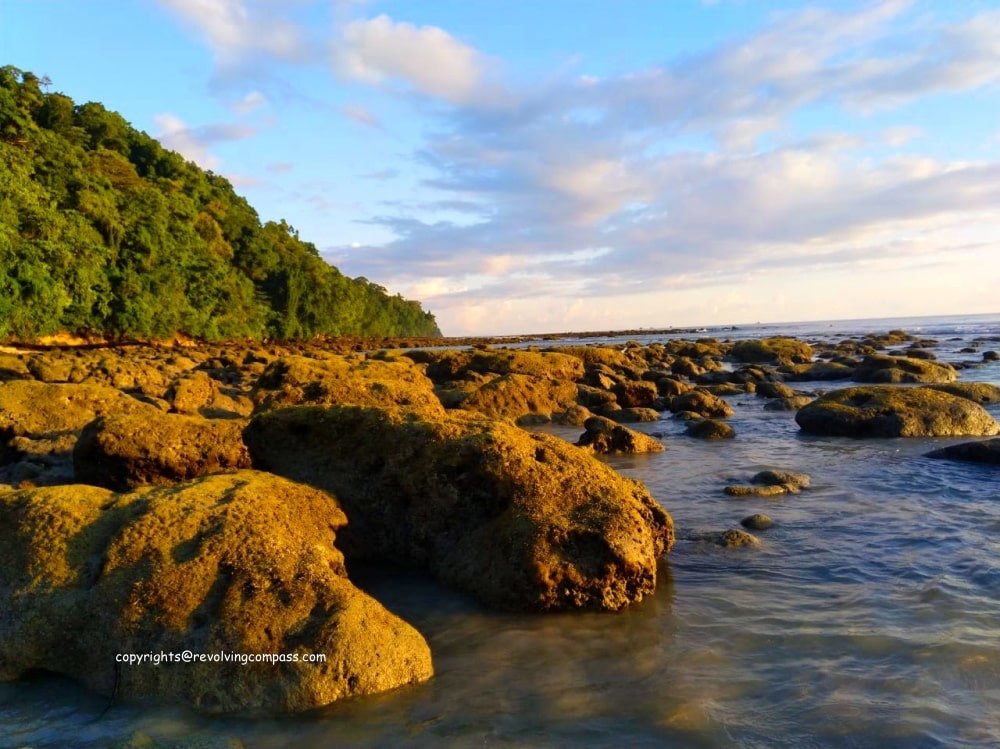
[[793, 482], [788, 404], [240, 563], [755, 491], [710, 429], [757, 522], [122, 452], [886, 411], [733, 538], [521, 520], [985, 451], [605, 437]]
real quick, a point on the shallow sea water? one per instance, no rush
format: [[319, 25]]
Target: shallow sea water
[[869, 617]]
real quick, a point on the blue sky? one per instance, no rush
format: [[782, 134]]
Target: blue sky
[[564, 165]]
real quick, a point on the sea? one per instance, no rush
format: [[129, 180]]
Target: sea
[[869, 616]]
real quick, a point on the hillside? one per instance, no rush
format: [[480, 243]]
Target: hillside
[[105, 232]]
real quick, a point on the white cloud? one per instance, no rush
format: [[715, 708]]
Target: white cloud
[[239, 29], [250, 102], [193, 143], [424, 58], [696, 175], [361, 115]]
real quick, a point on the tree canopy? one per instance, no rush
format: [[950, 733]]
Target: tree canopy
[[105, 231]]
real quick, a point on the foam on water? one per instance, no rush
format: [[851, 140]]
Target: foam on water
[[869, 617]]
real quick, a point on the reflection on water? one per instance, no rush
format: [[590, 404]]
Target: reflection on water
[[869, 617]]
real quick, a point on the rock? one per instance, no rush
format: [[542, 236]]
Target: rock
[[887, 411], [521, 520], [793, 482], [239, 563], [13, 368], [688, 416], [818, 371], [985, 451], [757, 522], [899, 369], [685, 367], [701, 403], [774, 390], [755, 491], [39, 417], [605, 437], [772, 350], [991, 356], [294, 380], [788, 404], [635, 394], [574, 415], [519, 397], [122, 452], [725, 388], [710, 429], [980, 392], [200, 395], [609, 357], [669, 387], [593, 397], [731, 539], [635, 415]]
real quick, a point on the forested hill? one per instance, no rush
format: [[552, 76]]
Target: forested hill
[[104, 231]]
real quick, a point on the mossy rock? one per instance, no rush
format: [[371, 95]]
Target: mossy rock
[[887, 411], [710, 429], [46, 417], [901, 369], [523, 521], [778, 349], [980, 392], [345, 380], [122, 452], [240, 563], [702, 403], [517, 396], [605, 437], [985, 451], [821, 371]]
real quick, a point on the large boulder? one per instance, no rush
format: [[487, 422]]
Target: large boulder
[[900, 369], [605, 437], [240, 564], [40, 409], [122, 452], [887, 411], [523, 521], [521, 397], [777, 350], [985, 451], [40, 418], [343, 380]]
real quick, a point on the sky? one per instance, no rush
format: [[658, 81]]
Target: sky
[[556, 165]]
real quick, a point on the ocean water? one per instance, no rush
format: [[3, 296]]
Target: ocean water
[[869, 617]]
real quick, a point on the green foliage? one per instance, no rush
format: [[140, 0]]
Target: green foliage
[[102, 230]]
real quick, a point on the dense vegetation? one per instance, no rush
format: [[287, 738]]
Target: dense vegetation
[[102, 230]]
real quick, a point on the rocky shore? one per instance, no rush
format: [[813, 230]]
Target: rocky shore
[[213, 497]]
